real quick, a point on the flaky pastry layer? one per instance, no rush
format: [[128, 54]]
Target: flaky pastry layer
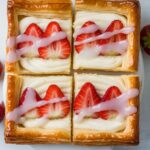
[[18, 134], [130, 135], [18, 9], [127, 8]]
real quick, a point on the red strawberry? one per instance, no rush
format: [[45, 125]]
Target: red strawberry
[[86, 97], [59, 49], [145, 39], [82, 37], [111, 92], [51, 28], [33, 30], [24, 44], [2, 111], [22, 99], [55, 110], [115, 25], [32, 113], [1, 68]]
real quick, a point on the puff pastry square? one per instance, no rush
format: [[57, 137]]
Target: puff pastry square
[[27, 130], [103, 13], [21, 14], [102, 131]]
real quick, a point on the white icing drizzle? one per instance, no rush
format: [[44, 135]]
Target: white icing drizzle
[[56, 36], [106, 35], [86, 30], [120, 104], [11, 42], [15, 55], [29, 104], [119, 47], [24, 38]]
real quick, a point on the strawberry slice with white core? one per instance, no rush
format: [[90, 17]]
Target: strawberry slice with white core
[[34, 30], [34, 112], [115, 25], [111, 93], [86, 97], [55, 110], [82, 37], [58, 49]]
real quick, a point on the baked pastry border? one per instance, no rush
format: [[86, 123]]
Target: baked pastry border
[[55, 8], [11, 134], [21, 135], [130, 136], [131, 10]]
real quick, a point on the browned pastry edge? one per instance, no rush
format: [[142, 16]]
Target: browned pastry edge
[[20, 135], [40, 5], [12, 134], [130, 136], [127, 8], [55, 8]]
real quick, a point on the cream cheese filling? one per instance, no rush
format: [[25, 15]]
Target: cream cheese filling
[[99, 124], [101, 83], [46, 123], [38, 65], [40, 84], [103, 20]]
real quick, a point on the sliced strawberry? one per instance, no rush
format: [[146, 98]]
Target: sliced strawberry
[[55, 110], [59, 49], [115, 25], [24, 44], [22, 99], [111, 92], [34, 30], [1, 68], [32, 113], [82, 37], [86, 97], [52, 28]]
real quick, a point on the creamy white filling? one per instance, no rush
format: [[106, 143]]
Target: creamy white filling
[[103, 20], [38, 65], [101, 83], [99, 124], [40, 84], [103, 62], [63, 123]]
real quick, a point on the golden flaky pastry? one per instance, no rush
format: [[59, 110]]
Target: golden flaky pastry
[[39, 12], [101, 12], [56, 130], [107, 132]]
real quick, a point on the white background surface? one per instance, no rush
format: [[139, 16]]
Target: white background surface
[[145, 102]]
